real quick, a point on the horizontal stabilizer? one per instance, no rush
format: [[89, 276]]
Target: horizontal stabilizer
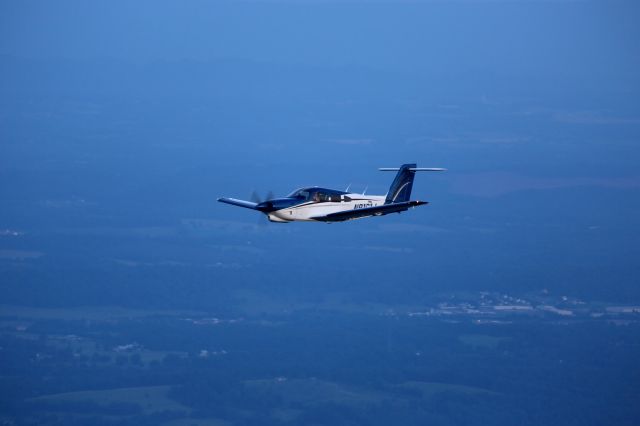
[[413, 169], [239, 203]]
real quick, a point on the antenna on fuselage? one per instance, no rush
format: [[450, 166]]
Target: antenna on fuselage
[[365, 189], [348, 186]]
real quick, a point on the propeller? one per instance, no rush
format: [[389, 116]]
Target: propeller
[[255, 197]]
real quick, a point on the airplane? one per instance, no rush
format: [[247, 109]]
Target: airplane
[[315, 204]]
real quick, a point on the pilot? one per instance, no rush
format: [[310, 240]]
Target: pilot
[[316, 197]]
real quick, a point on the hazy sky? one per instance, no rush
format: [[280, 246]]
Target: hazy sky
[[125, 115], [122, 122], [565, 39]]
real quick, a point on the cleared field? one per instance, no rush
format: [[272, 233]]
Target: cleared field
[[428, 389], [150, 399], [196, 422], [87, 313], [313, 391]]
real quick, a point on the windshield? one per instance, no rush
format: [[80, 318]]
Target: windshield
[[301, 194]]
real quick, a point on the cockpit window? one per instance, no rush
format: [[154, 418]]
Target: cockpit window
[[317, 195], [301, 194]]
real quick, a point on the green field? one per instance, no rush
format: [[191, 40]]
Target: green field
[[151, 399], [429, 389], [313, 391], [88, 313]]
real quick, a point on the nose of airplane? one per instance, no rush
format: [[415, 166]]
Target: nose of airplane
[[265, 206]]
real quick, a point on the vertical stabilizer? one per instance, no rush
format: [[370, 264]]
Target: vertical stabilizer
[[400, 189]]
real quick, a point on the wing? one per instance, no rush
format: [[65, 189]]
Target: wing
[[369, 211], [239, 203]]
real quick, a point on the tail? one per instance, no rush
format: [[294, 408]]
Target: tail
[[400, 189]]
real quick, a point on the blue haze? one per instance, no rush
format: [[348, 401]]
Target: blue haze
[[122, 122], [149, 111]]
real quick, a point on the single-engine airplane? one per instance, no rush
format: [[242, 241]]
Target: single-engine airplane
[[330, 205]]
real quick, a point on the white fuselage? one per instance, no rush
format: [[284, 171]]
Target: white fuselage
[[310, 209]]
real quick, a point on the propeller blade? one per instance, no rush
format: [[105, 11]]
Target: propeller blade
[[264, 205], [255, 197], [263, 220]]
